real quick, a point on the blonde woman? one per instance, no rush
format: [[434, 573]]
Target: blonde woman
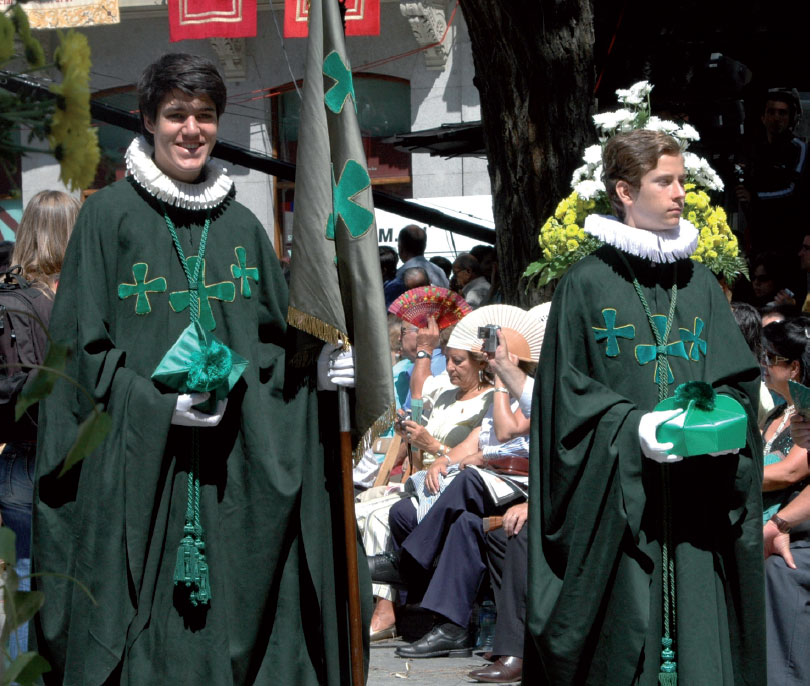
[[27, 294]]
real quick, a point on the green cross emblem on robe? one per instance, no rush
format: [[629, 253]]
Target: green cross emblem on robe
[[697, 345], [610, 333], [343, 88], [243, 273], [646, 353], [141, 288], [357, 218], [225, 291]]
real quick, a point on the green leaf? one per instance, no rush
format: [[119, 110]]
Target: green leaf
[[26, 669], [7, 548], [42, 382], [21, 606], [90, 436], [532, 269]]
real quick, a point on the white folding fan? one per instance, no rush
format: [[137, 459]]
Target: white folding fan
[[523, 332]]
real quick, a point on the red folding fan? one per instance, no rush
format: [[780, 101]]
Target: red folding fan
[[418, 304]]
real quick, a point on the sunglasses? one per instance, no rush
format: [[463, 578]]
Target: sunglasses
[[771, 359]]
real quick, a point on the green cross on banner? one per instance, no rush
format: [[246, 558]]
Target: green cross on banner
[[354, 179], [343, 87], [646, 353], [610, 333], [141, 288], [693, 338], [243, 273], [225, 291]]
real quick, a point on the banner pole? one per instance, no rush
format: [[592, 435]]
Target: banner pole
[[350, 543]]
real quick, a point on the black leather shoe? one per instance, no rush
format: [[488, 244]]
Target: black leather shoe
[[504, 671], [444, 640], [385, 569]]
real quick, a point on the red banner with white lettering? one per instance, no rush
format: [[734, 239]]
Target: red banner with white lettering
[[362, 18], [212, 19]]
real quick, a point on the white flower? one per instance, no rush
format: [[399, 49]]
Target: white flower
[[700, 172], [642, 88], [656, 124], [636, 95], [588, 189], [593, 154], [687, 133], [607, 122]]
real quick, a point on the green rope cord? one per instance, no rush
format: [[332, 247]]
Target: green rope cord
[[191, 568], [668, 666]]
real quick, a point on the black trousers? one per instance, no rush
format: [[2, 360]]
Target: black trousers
[[507, 563], [451, 533]]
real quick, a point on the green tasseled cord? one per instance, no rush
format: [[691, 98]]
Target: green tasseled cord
[[191, 568], [668, 664]]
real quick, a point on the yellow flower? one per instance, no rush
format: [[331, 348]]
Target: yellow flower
[[705, 232], [6, 38], [34, 54], [572, 245], [689, 186], [73, 55], [548, 255], [562, 208], [692, 217], [696, 257], [572, 230], [78, 159], [690, 198], [712, 254], [569, 217]]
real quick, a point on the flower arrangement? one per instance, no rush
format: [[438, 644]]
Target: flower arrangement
[[64, 121], [562, 238]]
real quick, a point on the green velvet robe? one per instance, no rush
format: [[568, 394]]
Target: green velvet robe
[[270, 486], [594, 611]]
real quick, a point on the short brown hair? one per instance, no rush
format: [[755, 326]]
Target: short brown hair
[[629, 156]]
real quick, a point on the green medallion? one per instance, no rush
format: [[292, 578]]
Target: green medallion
[[141, 288], [343, 88], [224, 290], [610, 333], [357, 218], [243, 273], [692, 338], [648, 353]]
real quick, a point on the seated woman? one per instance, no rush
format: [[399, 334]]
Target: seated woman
[[786, 473], [456, 410]]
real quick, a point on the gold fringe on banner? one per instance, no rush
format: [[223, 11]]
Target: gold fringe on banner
[[379, 426], [315, 327]]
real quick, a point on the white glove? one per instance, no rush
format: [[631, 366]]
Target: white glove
[[653, 449], [186, 415], [335, 367], [735, 451]]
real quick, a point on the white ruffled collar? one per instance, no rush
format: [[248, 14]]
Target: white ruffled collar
[[205, 195], [657, 246]]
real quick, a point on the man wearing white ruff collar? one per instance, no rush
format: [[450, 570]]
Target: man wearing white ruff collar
[[201, 525], [644, 567]]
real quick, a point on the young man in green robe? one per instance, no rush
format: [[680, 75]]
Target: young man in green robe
[[202, 524], [608, 502]]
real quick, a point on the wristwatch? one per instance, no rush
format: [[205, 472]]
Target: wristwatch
[[422, 354], [781, 524]]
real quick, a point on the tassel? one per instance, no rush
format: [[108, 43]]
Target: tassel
[[668, 668], [186, 560]]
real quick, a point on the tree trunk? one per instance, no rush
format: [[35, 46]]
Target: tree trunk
[[534, 70]]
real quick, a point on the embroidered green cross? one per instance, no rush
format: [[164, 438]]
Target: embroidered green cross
[[693, 337], [243, 273], [343, 88], [179, 300], [610, 333], [141, 288], [646, 353], [357, 218]]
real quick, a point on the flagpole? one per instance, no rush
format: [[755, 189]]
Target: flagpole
[[350, 543]]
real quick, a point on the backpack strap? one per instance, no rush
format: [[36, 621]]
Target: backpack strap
[[14, 273]]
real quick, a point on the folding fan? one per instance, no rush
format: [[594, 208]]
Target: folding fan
[[541, 312], [523, 332], [418, 304]]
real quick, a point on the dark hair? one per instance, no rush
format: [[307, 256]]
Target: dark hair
[[443, 263], [389, 261], [790, 338], [482, 252], [773, 263], [190, 74], [629, 156], [786, 310], [749, 321], [412, 240]]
